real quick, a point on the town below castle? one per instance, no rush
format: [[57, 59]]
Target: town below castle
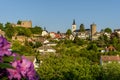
[[24, 31], [82, 53]]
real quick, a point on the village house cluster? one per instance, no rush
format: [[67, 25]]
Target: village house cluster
[[88, 34], [91, 33]]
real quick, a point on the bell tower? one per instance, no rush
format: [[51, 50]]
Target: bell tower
[[73, 26]]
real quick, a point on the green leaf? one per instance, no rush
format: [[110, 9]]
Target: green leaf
[[4, 78], [5, 65], [8, 59]]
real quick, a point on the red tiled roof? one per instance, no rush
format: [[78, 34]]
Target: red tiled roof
[[110, 58], [111, 48], [58, 36]]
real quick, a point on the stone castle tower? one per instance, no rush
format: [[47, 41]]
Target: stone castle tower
[[73, 26], [26, 24], [93, 29]]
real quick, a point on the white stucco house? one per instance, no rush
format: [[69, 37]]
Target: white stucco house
[[46, 49], [44, 33]]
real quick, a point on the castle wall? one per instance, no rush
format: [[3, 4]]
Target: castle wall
[[26, 24]]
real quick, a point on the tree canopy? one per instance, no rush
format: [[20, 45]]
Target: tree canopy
[[9, 30], [23, 31], [36, 30], [108, 30], [1, 26], [68, 32], [19, 22], [82, 28]]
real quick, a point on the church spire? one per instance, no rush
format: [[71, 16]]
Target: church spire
[[73, 22], [73, 26], [45, 28]]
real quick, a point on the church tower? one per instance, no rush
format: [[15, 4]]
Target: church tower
[[73, 26]]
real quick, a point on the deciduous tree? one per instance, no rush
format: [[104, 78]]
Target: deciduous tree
[[68, 32], [82, 28], [108, 30]]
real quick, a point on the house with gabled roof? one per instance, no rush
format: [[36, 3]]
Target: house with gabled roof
[[46, 49], [110, 48], [109, 59]]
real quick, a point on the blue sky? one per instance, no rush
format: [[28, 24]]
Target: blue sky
[[58, 15]]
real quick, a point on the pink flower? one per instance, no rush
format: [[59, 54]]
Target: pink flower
[[22, 68], [4, 47], [14, 74], [32, 74]]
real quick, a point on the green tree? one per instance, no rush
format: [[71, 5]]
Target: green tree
[[71, 62], [64, 68], [111, 71], [22, 49], [103, 41], [9, 30], [36, 30], [19, 22], [108, 30], [8, 24], [68, 32], [37, 44], [82, 28], [1, 26], [27, 32], [79, 41], [114, 41], [58, 32], [96, 72], [92, 46], [20, 30], [16, 46], [118, 47], [23, 31]]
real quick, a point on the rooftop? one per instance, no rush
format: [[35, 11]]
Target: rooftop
[[110, 58]]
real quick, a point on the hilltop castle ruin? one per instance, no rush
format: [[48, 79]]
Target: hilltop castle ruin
[[26, 24]]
